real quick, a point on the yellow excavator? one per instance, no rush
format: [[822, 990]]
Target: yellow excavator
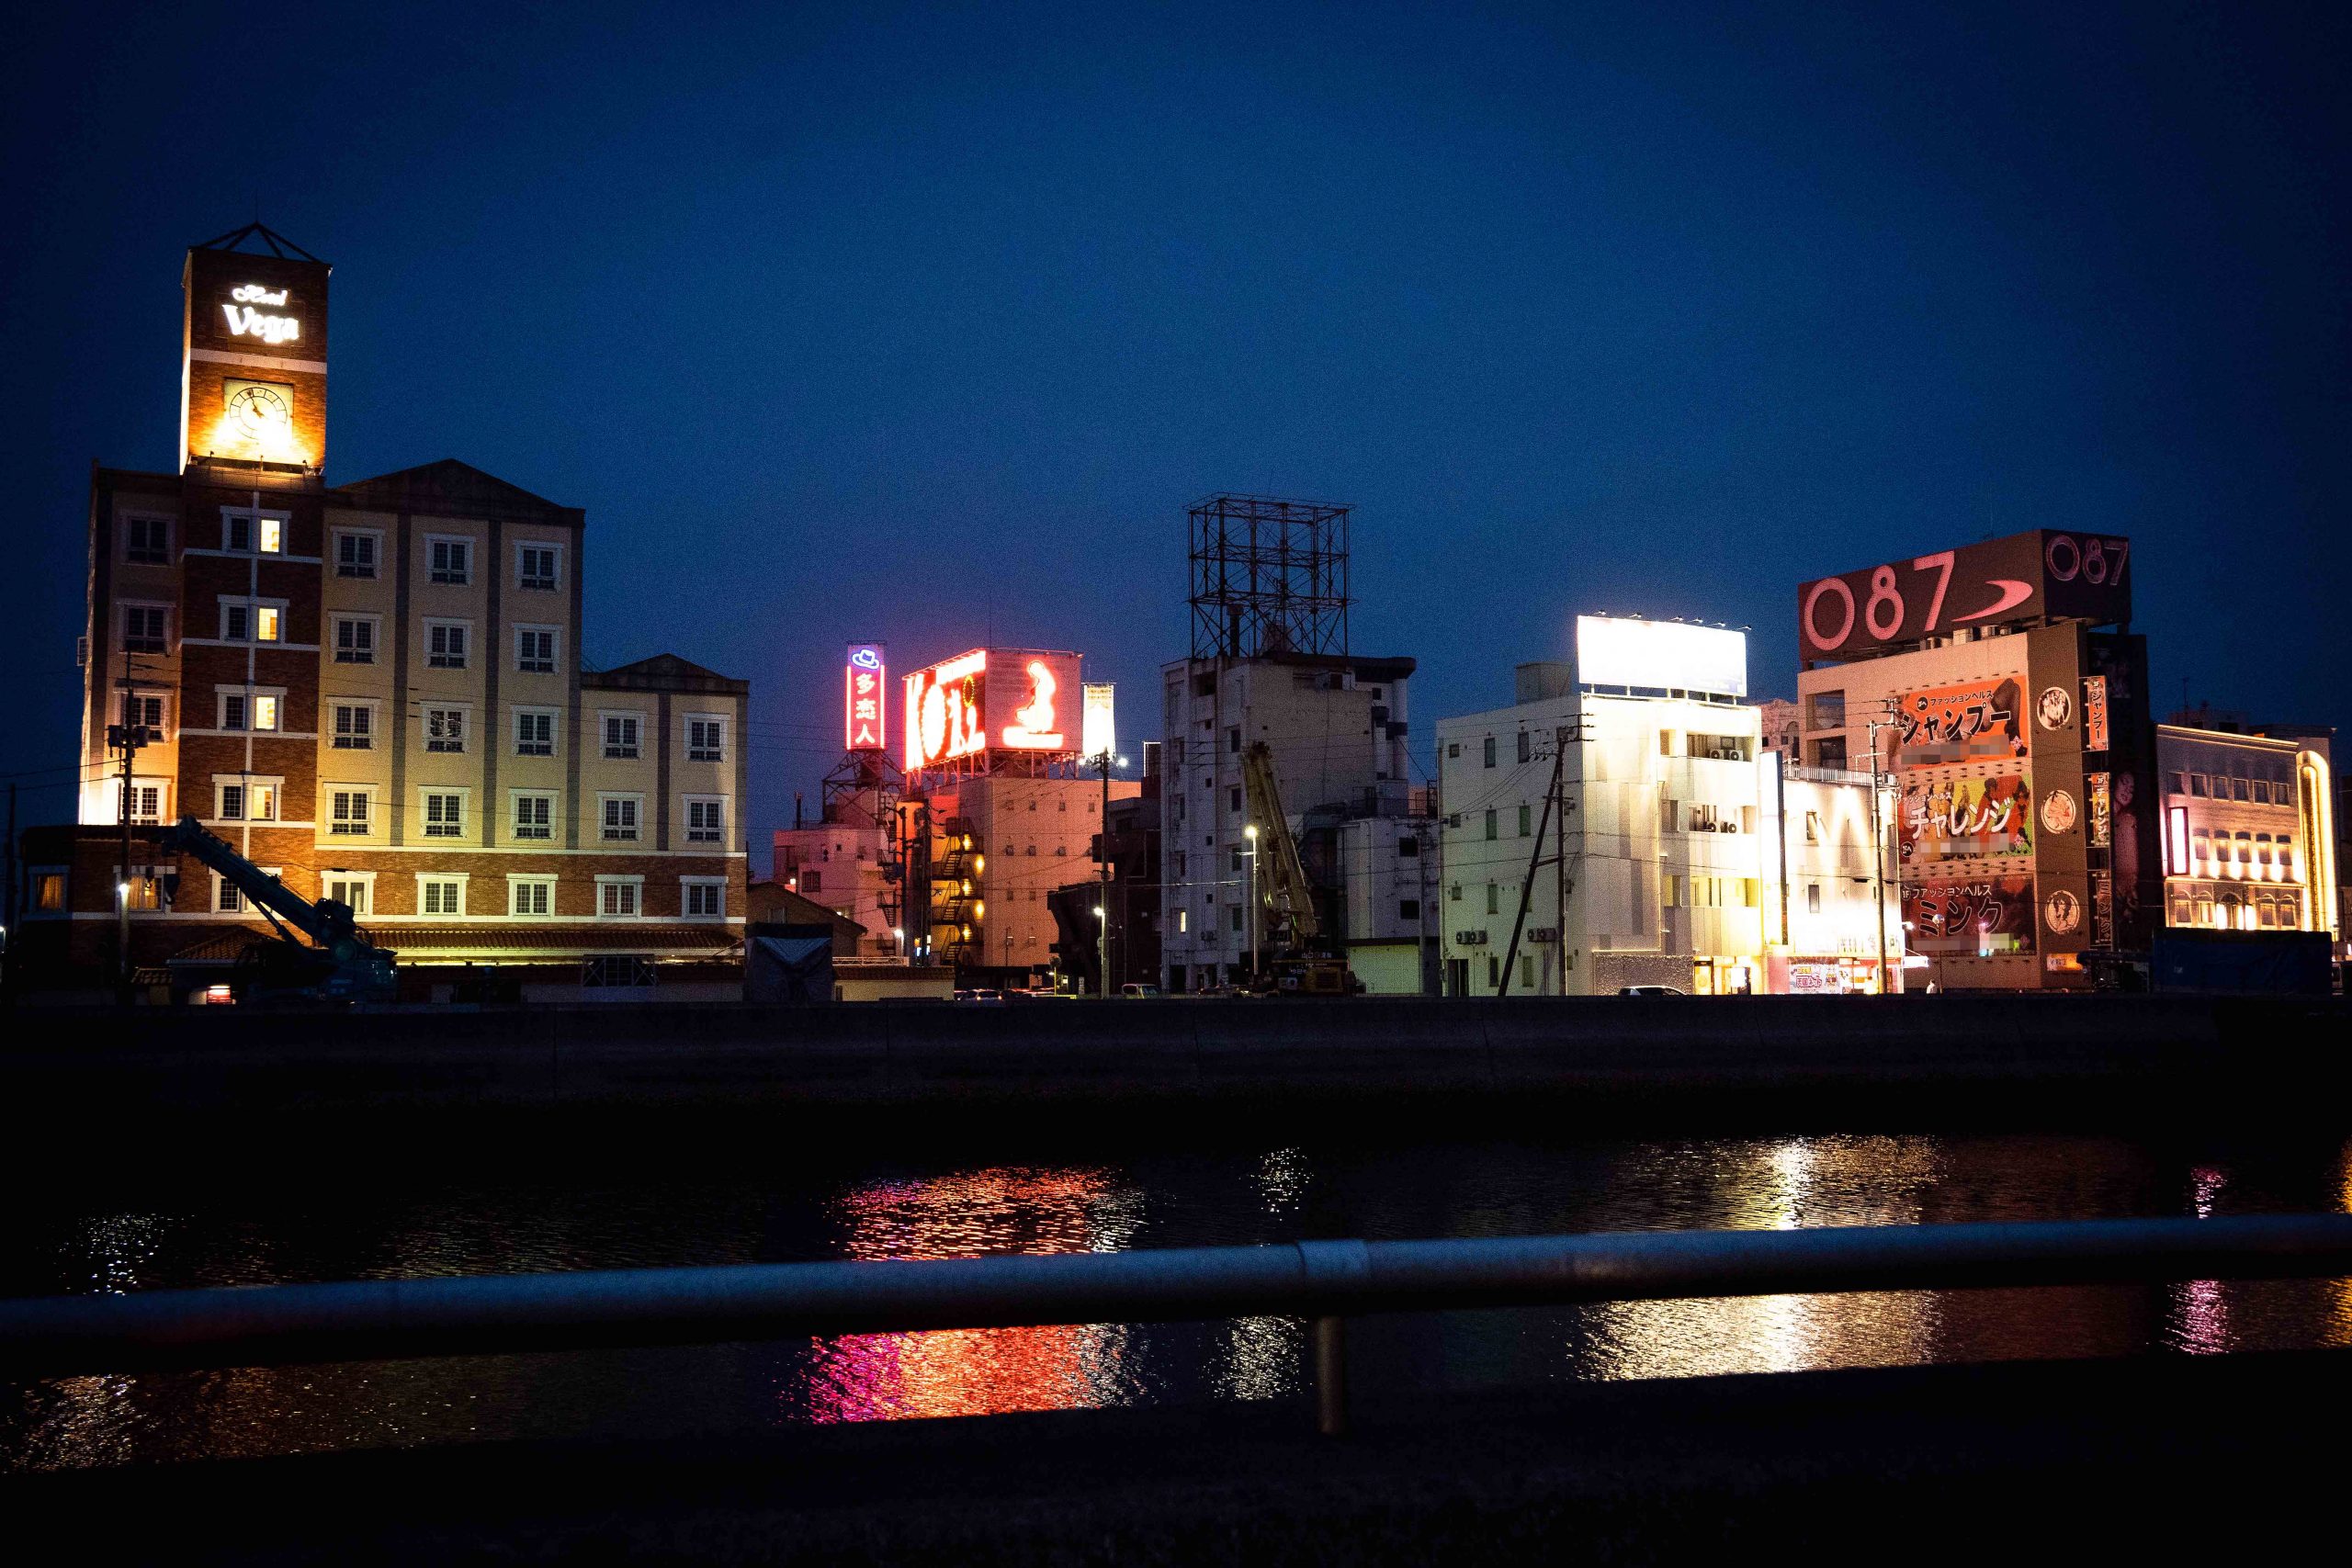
[[1298, 960]]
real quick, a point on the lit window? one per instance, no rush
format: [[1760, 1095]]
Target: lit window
[[272, 536], [268, 623], [261, 803], [264, 712]]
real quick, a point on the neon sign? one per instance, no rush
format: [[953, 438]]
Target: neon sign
[[1014, 699], [246, 322], [864, 727]]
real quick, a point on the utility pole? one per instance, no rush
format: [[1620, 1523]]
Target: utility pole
[[1103, 846], [1560, 863], [1250, 833], [127, 738], [1878, 850]]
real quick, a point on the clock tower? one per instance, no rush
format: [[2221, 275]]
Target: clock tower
[[254, 358]]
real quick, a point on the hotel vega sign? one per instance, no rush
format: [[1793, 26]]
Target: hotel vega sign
[[249, 310]]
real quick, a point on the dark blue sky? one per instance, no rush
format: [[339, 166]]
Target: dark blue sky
[[887, 322]]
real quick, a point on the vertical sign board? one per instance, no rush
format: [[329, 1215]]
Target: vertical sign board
[[2062, 860], [1099, 734], [2118, 662], [865, 711], [2095, 736]]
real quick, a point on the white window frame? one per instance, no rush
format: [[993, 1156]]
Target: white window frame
[[605, 717], [364, 880], [605, 801], [424, 826], [718, 718], [433, 574], [636, 885], [554, 634], [436, 710], [525, 584], [122, 625], [243, 905], [687, 803], [375, 538], [139, 784], [515, 799], [275, 784], [555, 729], [515, 885], [252, 607], [254, 518], [368, 705], [423, 878], [251, 697], [371, 796], [465, 630], [335, 622], [686, 898], [163, 701], [164, 519]]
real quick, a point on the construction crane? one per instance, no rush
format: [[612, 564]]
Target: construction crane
[[1300, 961], [337, 964]]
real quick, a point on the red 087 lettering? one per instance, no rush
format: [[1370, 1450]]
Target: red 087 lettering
[[1885, 611]]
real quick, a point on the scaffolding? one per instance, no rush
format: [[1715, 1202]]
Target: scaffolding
[[1269, 577]]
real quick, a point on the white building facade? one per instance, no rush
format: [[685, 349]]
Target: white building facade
[[1683, 840], [1335, 727]]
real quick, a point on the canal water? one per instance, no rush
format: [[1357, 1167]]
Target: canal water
[[465, 1210]]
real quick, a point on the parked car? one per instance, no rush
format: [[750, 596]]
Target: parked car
[[1133, 988], [1651, 991]]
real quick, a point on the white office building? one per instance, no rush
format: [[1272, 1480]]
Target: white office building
[[1683, 840]]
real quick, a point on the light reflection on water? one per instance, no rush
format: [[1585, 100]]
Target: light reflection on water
[[256, 1230]]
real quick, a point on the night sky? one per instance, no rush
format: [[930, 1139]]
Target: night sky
[[913, 324]]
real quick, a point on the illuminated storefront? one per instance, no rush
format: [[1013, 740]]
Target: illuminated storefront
[[2012, 738], [2249, 832]]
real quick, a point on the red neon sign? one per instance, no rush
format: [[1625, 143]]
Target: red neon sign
[[1016, 699], [865, 724]]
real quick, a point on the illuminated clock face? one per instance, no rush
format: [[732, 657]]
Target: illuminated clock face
[[258, 411]]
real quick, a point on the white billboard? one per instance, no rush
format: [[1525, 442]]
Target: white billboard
[[1670, 655]]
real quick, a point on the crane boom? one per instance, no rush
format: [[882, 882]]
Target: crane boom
[[1293, 893], [339, 964]]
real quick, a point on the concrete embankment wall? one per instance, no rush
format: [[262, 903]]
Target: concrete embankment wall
[[2024, 1059]]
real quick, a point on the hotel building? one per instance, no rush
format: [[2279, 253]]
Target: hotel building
[[2249, 831], [374, 689]]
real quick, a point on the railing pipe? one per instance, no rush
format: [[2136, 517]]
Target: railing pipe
[[378, 1320]]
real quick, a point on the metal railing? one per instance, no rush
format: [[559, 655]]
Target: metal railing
[[1323, 1280]]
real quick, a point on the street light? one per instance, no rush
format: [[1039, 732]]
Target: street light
[[1250, 833], [898, 935]]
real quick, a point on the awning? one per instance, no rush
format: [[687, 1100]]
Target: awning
[[504, 943]]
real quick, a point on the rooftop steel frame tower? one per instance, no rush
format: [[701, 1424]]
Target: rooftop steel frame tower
[[1269, 577]]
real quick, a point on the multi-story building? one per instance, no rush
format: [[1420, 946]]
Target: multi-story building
[[998, 811], [1834, 917], [1671, 866], [375, 690], [2249, 831], [1783, 728], [1388, 879], [1335, 728], [2014, 735]]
